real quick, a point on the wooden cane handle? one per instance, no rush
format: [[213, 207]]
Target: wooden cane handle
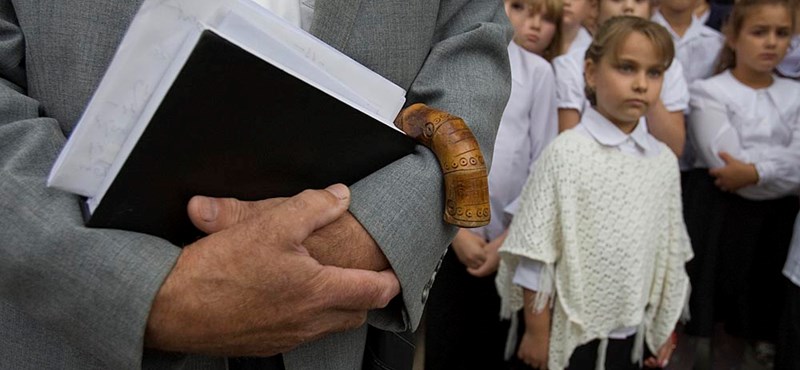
[[466, 184]]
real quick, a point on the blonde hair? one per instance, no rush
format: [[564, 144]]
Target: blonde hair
[[612, 34], [552, 11], [732, 28]]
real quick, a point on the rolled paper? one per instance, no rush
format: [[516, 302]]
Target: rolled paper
[[466, 183]]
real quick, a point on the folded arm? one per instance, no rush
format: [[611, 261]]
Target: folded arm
[[466, 74], [719, 146], [67, 278]]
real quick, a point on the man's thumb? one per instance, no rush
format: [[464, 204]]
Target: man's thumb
[[211, 215]]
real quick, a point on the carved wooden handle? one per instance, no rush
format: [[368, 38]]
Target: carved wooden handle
[[465, 177]]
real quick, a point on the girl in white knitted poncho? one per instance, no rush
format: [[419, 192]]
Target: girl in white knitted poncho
[[601, 221]]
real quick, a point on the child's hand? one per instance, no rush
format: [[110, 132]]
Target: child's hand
[[469, 248], [664, 353], [492, 258], [735, 174], [533, 349]]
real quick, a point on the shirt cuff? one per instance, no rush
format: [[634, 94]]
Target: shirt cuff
[[570, 105], [766, 173], [512, 208], [528, 274], [677, 107]]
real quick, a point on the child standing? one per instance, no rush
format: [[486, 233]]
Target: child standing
[[664, 118], [596, 252], [463, 330], [574, 35], [745, 125], [537, 26], [529, 121], [697, 46]]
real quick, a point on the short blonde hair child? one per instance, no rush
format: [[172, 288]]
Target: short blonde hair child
[[552, 11], [612, 34]]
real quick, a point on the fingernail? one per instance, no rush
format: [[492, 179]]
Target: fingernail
[[339, 190], [208, 209]]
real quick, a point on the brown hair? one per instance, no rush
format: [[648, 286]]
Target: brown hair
[[612, 34], [731, 28]]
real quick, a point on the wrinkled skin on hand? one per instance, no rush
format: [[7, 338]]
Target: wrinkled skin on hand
[[251, 288]]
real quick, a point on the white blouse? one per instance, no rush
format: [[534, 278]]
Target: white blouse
[[698, 49], [570, 84], [529, 123], [759, 126], [790, 65], [582, 41], [639, 143]]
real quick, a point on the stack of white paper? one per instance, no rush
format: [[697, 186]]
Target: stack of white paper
[[159, 41]]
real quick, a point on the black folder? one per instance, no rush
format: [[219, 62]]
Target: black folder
[[234, 125]]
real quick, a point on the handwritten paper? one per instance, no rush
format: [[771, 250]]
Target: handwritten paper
[[153, 38]]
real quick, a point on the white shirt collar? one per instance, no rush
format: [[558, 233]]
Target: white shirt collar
[[742, 93], [608, 134]]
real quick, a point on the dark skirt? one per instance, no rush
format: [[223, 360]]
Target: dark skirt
[[463, 326], [740, 247], [584, 357], [787, 356]]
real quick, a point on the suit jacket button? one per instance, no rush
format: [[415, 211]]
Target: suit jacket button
[[426, 290], [429, 284]]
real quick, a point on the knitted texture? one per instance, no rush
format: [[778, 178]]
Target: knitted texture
[[610, 226]]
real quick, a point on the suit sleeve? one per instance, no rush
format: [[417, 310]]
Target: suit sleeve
[[91, 288], [466, 73]]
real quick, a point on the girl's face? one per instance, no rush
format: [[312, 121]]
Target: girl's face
[[627, 85], [532, 31], [612, 8], [575, 11], [763, 39]]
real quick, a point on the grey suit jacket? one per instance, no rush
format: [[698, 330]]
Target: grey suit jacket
[[74, 297]]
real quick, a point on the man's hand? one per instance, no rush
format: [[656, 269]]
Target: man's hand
[[469, 248], [252, 289], [343, 242], [735, 174]]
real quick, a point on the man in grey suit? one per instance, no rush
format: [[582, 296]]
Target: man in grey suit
[[74, 297]]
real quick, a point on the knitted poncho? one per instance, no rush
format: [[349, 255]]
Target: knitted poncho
[[609, 227]]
